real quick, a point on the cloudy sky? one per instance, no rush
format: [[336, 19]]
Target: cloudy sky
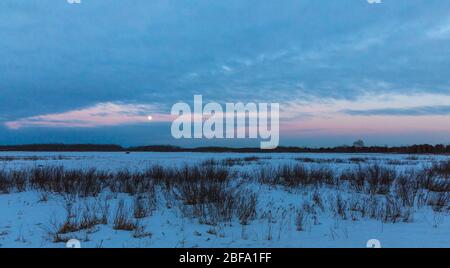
[[341, 70]]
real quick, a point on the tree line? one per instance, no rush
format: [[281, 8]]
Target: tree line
[[413, 149]]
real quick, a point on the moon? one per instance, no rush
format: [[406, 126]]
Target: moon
[[150, 118]]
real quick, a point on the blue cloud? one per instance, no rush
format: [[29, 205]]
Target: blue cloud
[[415, 111], [57, 57]]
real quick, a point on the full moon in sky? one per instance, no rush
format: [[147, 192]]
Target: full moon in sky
[[149, 118]]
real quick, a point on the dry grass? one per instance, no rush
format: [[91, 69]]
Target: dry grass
[[122, 218], [213, 192]]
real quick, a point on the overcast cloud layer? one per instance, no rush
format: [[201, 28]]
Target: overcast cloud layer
[[342, 70]]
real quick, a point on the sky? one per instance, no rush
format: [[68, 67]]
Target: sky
[[341, 70]]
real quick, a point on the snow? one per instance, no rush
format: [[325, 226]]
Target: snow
[[26, 219]]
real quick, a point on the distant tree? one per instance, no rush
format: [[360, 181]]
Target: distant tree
[[358, 144]]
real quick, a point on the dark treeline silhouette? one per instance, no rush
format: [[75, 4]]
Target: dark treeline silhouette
[[63, 148], [413, 149]]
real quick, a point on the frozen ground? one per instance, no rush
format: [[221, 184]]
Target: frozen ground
[[285, 216]]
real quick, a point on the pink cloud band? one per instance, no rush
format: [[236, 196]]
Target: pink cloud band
[[101, 114]]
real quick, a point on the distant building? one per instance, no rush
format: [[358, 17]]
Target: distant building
[[358, 144]]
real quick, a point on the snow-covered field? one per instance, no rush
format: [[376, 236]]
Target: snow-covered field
[[263, 200]]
